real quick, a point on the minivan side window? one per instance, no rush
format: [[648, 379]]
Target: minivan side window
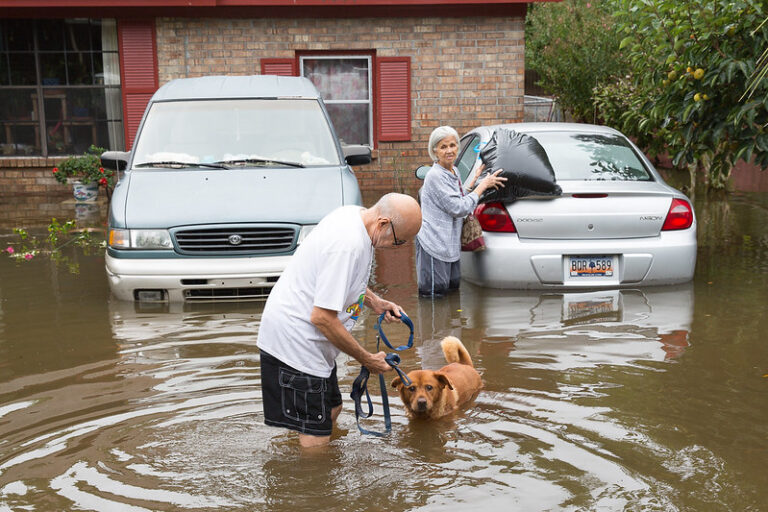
[[468, 156]]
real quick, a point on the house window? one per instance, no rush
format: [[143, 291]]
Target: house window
[[59, 86], [345, 84]]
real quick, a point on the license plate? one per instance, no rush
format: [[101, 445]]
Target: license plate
[[591, 266]]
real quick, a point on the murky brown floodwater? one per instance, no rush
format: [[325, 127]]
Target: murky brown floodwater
[[652, 399]]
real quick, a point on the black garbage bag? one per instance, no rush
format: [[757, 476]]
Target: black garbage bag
[[525, 165]]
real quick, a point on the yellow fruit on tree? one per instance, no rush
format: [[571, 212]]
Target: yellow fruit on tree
[[672, 75], [704, 97], [688, 69], [697, 97], [698, 74]]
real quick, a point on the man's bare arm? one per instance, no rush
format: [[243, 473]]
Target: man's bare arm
[[328, 323]]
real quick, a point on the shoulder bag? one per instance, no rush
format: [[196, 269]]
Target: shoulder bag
[[471, 232]]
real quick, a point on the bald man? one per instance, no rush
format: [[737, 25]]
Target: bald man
[[314, 305]]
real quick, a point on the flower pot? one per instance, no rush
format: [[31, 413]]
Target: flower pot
[[85, 192]]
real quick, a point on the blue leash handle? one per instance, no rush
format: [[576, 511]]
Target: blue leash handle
[[360, 385], [403, 318]]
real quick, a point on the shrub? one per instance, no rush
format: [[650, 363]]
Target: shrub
[[86, 168]]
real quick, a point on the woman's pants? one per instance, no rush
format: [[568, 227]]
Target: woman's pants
[[435, 277]]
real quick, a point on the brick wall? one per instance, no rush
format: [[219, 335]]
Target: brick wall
[[30, 176], [464, 71]]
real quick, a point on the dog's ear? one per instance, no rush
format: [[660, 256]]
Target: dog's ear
[[444, 380], [397, 382]]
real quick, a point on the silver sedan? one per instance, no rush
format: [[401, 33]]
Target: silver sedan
[[616, 224]]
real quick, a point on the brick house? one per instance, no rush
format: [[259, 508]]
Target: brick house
[[80, 72]]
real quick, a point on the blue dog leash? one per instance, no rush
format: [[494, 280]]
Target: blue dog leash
[[360, 386]]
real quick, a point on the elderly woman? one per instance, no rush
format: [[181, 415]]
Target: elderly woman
[[444, 204]]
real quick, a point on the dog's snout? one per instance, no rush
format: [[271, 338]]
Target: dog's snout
[[421, 404]]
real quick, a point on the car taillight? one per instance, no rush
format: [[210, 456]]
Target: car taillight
[[494, 217], [680, 216]]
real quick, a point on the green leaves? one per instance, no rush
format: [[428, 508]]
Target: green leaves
[[572, 44], [693, 68]]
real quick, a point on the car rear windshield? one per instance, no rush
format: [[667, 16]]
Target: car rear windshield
[[591, 156], [237, 130]]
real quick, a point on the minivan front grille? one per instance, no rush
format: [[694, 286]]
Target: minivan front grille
[[226, 294], [235, 239]]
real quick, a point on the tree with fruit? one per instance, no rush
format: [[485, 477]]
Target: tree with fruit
[[690, 63]]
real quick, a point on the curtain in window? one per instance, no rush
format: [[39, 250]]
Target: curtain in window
[[343, 82], [111, 62]]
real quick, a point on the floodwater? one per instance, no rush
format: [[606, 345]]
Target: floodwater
[[642, 399]]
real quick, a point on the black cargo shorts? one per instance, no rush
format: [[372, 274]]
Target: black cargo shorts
[[296, 400]]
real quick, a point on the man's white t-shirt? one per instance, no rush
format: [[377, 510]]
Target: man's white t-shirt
[[330, 269]]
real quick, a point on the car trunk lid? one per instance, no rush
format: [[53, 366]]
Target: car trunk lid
[[593, 211]]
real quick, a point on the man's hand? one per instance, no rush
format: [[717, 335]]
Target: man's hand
[[379, 306], [376, 363]]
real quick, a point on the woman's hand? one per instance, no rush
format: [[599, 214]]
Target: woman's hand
[[477, 174], [479, 171], [491, 181]]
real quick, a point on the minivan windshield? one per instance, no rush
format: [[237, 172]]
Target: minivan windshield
[[592, 156], [236, 133]]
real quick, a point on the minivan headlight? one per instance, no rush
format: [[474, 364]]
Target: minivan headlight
[[140, 239], [304, 232]]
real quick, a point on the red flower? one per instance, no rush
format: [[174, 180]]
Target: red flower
[[103, 181], [101, 170], [55, 170]]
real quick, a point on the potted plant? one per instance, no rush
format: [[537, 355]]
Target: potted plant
[[86, 174]]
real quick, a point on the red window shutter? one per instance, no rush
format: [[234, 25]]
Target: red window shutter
[[280, 67], [393, 78], [138, 71], [134, 106]]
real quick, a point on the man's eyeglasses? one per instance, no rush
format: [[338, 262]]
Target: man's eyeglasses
[[397, 242]]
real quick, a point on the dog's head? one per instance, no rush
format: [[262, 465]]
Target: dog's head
[[424, 392]]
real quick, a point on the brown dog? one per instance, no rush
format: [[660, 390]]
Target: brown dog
[[434, 394]]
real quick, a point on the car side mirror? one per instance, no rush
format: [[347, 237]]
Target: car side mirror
[[357, 154], [115, 160], [421, 172]]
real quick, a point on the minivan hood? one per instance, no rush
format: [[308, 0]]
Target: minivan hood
[[163, 198]]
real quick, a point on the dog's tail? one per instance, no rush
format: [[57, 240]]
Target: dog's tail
[[454, 351]]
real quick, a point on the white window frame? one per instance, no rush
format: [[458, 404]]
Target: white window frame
[[369, 101]]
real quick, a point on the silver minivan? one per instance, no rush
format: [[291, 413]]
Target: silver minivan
[[226, 177]]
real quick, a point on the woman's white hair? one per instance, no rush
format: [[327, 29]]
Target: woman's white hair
[[439, 134]]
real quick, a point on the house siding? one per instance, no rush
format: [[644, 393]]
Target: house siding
[[464, 71]]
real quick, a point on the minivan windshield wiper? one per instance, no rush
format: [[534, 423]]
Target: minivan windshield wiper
[[177, 165], [260, 161]]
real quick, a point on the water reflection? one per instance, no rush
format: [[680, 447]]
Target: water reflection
[[569, 330], [560, 330], [31, 212], [646, 399]]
